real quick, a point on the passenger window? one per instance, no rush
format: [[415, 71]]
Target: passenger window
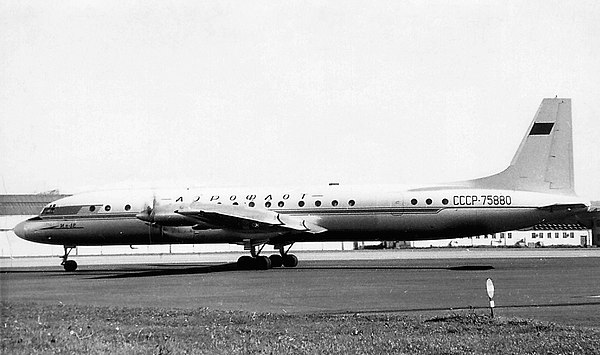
[[301, 203], [351, 203], [267, 204], [317, 203], [280, 204], [107, 208], [127, 207], [334, 203], [251, 204], [445, 201], [92, 208], [413, 201], [428, 201]]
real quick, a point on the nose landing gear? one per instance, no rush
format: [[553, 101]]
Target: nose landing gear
[[69, 265]]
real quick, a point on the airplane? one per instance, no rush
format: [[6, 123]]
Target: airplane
[[537, 187]]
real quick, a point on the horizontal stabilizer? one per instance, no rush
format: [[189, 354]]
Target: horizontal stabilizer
[[566, 207]]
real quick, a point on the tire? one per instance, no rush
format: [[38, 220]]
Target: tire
[[70, 265], [290, 260], [276, 260], [245, 263], [263, 263]]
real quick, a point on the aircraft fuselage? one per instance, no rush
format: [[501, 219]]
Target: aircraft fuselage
[[347, 213]]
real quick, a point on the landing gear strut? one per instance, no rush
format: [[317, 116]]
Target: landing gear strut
[[69, 265], [259, 262]]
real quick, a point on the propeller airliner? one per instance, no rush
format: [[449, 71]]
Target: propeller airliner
[[537, 187]]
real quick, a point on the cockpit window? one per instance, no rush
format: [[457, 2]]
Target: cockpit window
[[48, 210], [54, 210]]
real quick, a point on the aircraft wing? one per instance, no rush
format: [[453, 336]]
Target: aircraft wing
[[239, 217]]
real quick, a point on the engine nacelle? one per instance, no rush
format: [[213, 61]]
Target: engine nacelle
[[170, 219]]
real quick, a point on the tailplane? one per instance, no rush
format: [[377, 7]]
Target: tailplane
[[544, 160]]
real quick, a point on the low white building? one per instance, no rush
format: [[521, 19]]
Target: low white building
[[542, 235]]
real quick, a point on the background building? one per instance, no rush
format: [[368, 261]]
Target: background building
[[17, 208], [542, 235], [595, 219]]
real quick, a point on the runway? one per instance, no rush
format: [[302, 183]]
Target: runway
[[539, 285]]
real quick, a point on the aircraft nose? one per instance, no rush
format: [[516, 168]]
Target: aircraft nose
[[20, 230]]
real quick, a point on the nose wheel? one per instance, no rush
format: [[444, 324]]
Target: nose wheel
[[69, 265]]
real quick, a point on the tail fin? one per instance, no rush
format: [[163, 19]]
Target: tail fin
[[544, 160]]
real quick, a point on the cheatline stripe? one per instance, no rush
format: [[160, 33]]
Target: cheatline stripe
[[358, 210], [304, 211], [90, 216]]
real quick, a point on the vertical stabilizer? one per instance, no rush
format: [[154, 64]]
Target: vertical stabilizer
[[544, 160]]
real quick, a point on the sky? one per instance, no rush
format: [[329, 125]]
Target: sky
[[101, 94]]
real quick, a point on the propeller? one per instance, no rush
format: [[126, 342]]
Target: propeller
[[163, 215], [147, 215]]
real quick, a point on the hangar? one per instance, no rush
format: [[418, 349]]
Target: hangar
[[17, 208]]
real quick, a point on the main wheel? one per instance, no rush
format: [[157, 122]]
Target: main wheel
[[263, 263], [70, 265], [276, 260], [246, 263], [290, 260]]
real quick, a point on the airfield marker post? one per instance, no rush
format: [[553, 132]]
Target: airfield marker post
[[490, 291]]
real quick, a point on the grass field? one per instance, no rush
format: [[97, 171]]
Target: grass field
[[28, 328]]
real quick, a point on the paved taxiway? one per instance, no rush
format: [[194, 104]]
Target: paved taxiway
[[552, 284]]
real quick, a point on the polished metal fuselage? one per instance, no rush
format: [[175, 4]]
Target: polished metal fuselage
[[347, 213]]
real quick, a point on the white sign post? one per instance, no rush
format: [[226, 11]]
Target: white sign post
[[490, 291]]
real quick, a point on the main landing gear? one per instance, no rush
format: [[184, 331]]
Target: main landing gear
[[69, 265], [259, 262]]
